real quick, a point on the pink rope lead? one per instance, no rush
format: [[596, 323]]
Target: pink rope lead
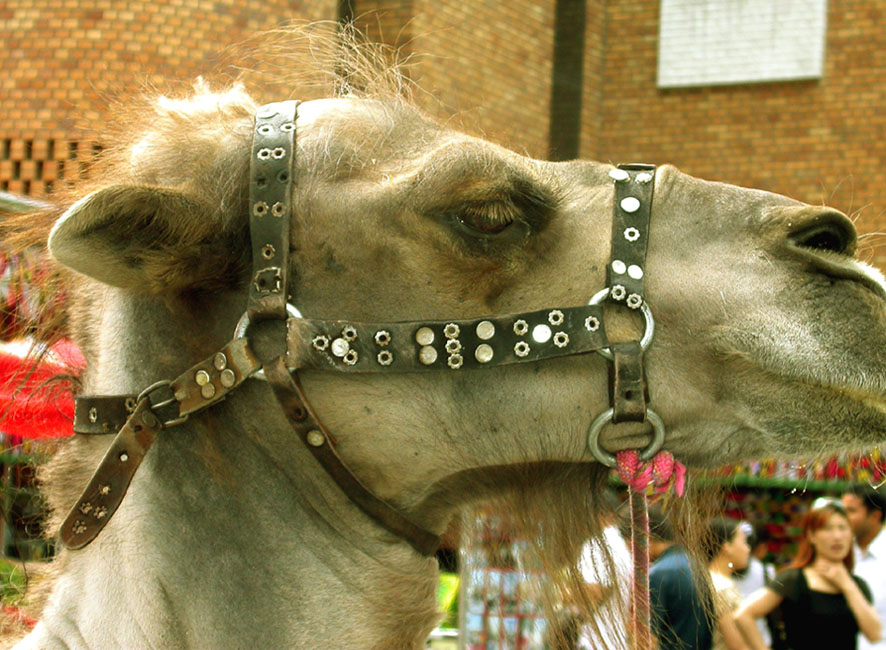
[[664, 472]]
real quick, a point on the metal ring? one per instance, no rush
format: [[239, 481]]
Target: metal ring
[[648, 332], [605, 418], [243, 325]]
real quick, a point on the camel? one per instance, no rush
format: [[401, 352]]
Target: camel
[[770, 338]]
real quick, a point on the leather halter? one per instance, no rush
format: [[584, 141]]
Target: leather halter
[[458, 345]]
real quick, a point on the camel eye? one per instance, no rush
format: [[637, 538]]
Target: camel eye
[[826, 237], [487, 218]]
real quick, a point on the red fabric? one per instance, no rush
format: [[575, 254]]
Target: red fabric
[[32, 403]]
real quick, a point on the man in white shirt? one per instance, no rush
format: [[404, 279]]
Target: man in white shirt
[[866, 509], [757, 574]]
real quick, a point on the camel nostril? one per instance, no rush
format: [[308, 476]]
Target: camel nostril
[[832, 236]]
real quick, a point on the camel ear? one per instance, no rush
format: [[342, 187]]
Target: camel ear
[[145, 238]]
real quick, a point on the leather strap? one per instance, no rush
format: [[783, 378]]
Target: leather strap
[[270, 192], [320, 442], [102, 414], [627, 381], [630, 233]]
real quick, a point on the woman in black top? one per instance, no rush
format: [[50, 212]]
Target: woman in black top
[[823, 605]]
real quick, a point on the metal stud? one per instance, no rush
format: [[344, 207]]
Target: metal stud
[[93, 415], [79, 527], [207, 391], [634, 301], [85, 508], [278, 153], [521, 349], [315, 438], [268, 251], [632, 234], [351, 357], [455, 361], [202, 378], [630, 204], [555, 317], [635, 272], [104, 489], [643, 177], [129, 404], [485, 330], [263, 153], [618, 292], [453, 346], [521, 327], [340, 347], [349, 333], [320, 342], [592, 323], [286, 127], [424, 336], [427, 355], [385, 358], [382, 337], [619, 175], [149, 419], [618, 267], [123, 456], [484, 353], [228, 378], [541, 333], [260, 209], [220, 361], [264, 129], [278, 209], [451, 331], [100, 512], [561, 339]]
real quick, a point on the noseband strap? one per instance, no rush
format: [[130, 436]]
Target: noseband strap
[[457, 345]]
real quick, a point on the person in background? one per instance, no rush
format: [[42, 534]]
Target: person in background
[[727, 550], [823, 604], [678, 598], [758, 573], [866, 509]]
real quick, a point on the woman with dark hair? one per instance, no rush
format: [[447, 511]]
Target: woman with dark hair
[[727, 552], [822, 603]]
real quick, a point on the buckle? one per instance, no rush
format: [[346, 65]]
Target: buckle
[[159, 408]]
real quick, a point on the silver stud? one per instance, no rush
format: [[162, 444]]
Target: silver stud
[[451, 331], [286, 127], [634, 301], [264, 153], [278, 153], [427, 355], [618, 267], [264, 129], [123, 456], [349, 333], [592, 323], [85, 508], [129, 404], [382, 337], [521, 327], [79, 527], [320, 342], [555, 317], [453, 346], [484, 353], [485, 330], [315, 438], [630, 204], [455, 361], [521, 349], [278, 209], [104, 489], [632, 234], [541, 333], [618, 292], [93, 415], [149, 419], [207, 391], [220, 361], [561, 339], [100, 512], [635, 272], [340, 347], [202, 378], [643, 177], [260, 209], [351, 357], [424, 336], [385, 358], [228, 378], [619, 175]]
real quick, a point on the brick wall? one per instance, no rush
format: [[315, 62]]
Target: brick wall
[[63, 63]]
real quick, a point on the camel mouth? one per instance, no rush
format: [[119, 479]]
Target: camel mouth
[[840, 267]]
